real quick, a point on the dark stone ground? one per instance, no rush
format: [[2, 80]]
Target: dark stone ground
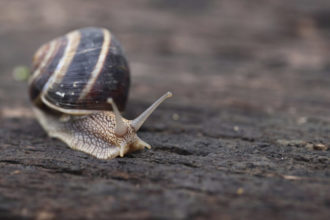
[[245, 136]]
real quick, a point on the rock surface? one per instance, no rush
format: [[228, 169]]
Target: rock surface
[[246, 135]]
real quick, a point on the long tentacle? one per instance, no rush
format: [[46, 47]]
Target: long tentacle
[[138, 122]]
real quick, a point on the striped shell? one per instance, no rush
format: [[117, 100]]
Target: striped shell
[[80, 71]]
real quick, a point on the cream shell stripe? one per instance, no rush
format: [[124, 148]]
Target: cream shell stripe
[[99, 65], [62, 67], [52, 47]]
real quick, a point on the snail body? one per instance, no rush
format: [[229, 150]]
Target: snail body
[[80, 83]]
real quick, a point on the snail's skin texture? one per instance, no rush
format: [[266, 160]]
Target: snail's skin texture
[[92, 134], [77, 80]]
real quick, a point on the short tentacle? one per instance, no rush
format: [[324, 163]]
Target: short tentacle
[[121, 128]]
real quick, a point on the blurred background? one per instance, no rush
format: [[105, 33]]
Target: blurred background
[[209, 53], [245, 136]]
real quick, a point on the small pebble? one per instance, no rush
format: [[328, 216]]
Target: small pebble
[[175, 117], [320, 147], [16, 172], [240, 191], [301, 120], [21, 73]]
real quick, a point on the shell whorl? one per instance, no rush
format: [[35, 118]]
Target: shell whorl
[[80, 71]]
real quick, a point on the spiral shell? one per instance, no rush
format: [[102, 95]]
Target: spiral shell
[[80, 70]]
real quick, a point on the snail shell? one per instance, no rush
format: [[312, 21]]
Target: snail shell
[[80, 71], [77, 80]]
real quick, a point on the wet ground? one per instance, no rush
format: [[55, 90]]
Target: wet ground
[[246, 135]]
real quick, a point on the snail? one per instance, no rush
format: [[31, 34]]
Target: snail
[[79, 85]]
